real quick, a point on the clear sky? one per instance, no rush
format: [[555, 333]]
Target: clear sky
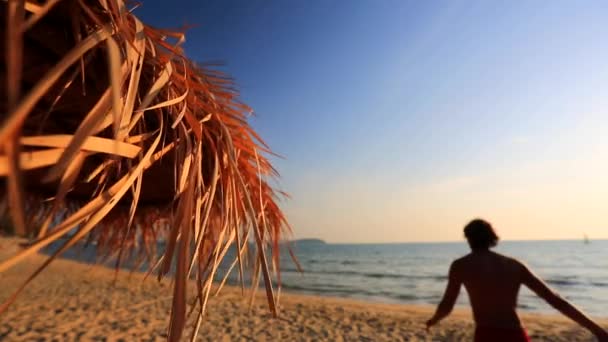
[[401, 120]]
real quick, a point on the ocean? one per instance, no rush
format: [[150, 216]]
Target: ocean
[[416, 273]]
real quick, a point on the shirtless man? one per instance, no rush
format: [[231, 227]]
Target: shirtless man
[[492, 282]]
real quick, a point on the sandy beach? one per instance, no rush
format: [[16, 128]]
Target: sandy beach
[[71, 301]]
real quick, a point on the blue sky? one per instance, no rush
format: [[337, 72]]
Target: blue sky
[[401, 120]]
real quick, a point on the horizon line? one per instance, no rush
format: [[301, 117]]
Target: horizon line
[[445, 241]]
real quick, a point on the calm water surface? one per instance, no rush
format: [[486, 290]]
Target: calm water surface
[[416, 272]]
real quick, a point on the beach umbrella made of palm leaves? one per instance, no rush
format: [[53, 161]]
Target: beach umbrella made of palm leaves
[[108, 133]]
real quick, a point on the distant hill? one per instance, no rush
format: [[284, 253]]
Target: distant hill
[[309, 242]]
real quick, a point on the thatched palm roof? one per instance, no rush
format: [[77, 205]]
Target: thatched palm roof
[[106, 124]]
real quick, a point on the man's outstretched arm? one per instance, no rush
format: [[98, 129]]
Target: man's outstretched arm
[[542, 290], [449, 298]]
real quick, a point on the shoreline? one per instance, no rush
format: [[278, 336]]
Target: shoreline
[[72, 300]]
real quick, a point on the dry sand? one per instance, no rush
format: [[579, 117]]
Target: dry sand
[[71, 301]]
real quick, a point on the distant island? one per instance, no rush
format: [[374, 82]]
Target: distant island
[[309, 242]]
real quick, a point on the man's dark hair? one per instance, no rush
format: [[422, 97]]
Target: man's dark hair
[[480, 234]]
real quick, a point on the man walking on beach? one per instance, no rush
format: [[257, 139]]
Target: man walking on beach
[[492, 281]]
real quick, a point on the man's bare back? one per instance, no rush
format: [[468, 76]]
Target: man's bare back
[[492, 282]]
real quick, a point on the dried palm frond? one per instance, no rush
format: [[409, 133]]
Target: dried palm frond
[[109, 134]]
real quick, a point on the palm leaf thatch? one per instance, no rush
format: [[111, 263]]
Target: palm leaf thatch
[[109, 134]]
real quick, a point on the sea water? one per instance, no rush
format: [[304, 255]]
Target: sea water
[[416, 273]]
